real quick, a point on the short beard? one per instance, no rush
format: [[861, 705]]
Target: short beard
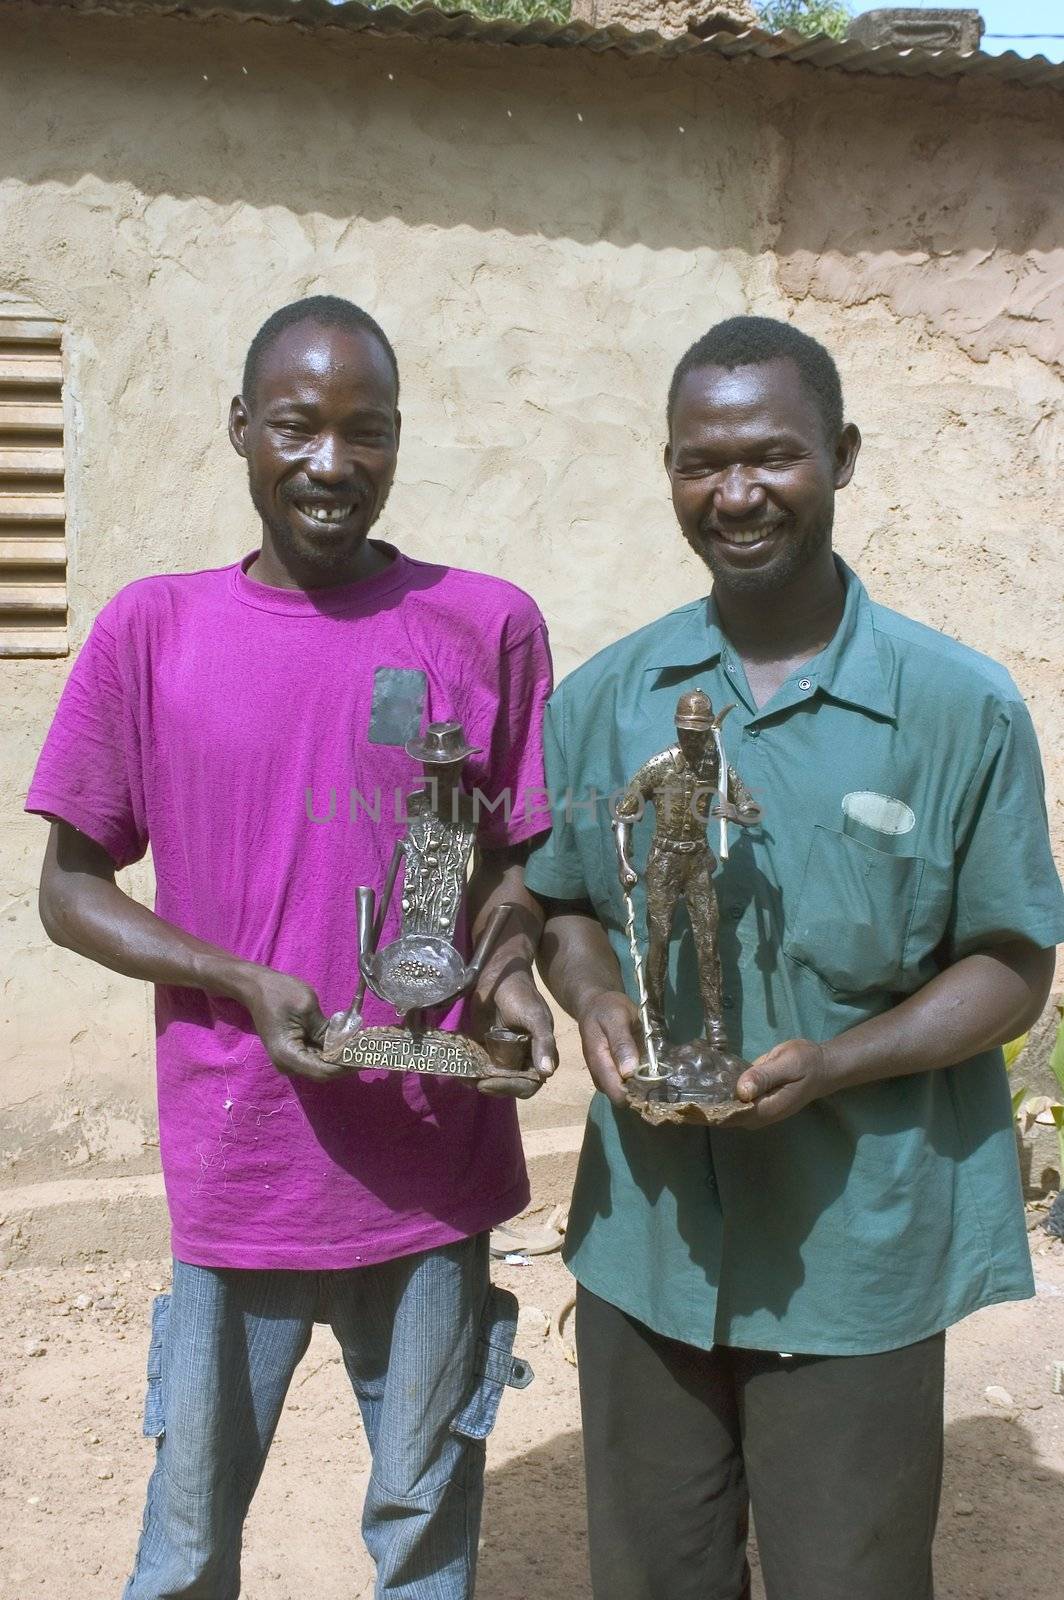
[[793, 558], [300, 560]]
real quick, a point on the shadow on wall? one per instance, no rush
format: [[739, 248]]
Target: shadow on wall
[[552, 143], [535, 1540], [558, 143]]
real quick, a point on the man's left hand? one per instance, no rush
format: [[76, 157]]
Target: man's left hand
[[515, 1002], [782, 1081]]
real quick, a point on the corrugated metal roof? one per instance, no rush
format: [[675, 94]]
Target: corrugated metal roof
[[426, 22]]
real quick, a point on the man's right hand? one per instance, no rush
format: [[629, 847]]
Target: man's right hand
[[610, 1035], [289, 1021]]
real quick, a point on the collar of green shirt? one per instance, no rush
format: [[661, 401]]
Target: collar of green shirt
[[848, 669]]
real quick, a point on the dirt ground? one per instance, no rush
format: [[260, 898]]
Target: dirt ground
[[73, 1464]]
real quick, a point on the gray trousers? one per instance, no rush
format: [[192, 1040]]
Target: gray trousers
[[840, 1458]]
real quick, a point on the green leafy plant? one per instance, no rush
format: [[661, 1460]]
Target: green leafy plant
[[807, 17], [1012, 1053], [1041, 1107]]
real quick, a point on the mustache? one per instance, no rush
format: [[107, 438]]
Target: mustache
[[309, 495], [752, 525]]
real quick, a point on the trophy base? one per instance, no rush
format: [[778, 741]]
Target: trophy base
[[696, 1086], [432, 1053]]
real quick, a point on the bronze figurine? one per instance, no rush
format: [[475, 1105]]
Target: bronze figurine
[[680, 783]]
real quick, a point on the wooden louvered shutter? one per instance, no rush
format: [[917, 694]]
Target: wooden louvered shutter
[[33, 599]]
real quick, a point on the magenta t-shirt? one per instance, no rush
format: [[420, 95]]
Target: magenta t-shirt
[[243, 732]]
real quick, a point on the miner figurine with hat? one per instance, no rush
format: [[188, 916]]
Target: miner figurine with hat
[[679, 782]]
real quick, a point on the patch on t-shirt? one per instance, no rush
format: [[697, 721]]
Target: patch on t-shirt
[[398, 705]]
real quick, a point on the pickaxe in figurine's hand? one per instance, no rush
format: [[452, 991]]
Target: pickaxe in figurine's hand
[[747, 815]]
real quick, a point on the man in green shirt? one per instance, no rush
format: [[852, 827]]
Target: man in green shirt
[[761, 1309]]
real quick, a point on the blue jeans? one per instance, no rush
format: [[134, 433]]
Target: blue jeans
[[427, 1343]]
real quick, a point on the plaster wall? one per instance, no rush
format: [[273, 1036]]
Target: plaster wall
[[542, 233]]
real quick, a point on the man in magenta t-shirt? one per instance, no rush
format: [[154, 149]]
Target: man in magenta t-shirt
[[249, 723]]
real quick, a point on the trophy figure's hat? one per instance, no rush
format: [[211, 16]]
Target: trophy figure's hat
[[441, 745], [694, 709]]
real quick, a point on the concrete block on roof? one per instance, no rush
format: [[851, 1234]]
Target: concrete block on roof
[[906, 28], [667, 17]]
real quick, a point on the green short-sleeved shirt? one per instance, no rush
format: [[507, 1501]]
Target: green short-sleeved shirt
[[904, 827]]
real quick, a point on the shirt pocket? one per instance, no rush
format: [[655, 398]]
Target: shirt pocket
[[854, 915]]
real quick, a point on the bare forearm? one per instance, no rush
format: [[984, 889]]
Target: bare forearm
[[499, 879], [99, 921], [576, 960], [982, 1001], [83, 909], [577, 963]]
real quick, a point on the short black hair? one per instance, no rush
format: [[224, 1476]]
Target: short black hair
[[750, 342], [328, 311]]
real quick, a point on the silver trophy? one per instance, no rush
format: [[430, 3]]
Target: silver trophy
[[422, 969]]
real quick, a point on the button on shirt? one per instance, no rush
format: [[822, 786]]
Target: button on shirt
[[904, 827]]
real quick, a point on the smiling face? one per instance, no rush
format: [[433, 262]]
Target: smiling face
[[753, 473], [320, 435]]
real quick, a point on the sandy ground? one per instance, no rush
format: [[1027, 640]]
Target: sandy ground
[[72, 1348]]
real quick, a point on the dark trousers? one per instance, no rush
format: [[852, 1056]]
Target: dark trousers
[[840, 1458]]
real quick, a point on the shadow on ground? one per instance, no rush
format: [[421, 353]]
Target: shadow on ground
[[535, 1541], [534, 1533], [1007, 1546]]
